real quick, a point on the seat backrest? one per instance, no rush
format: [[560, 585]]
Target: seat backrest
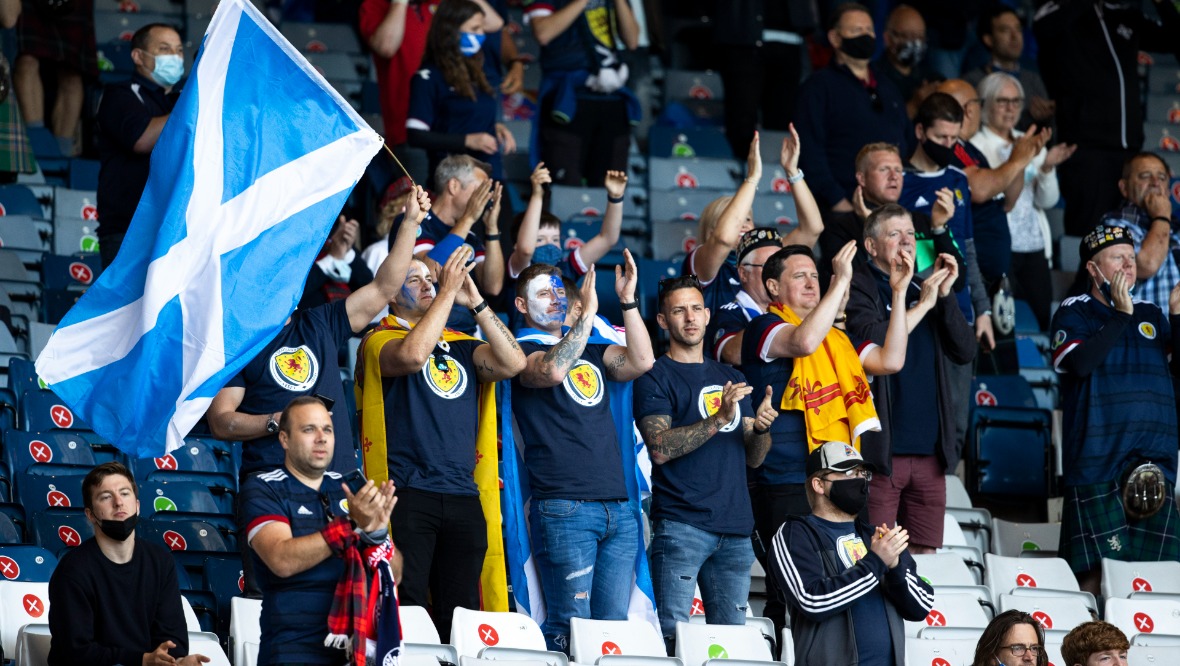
[[59, 530], [208, 645], [952, 533], [956, 493], [21, 603], [55, 491], [1122, 579], [1144, 616], [417, 625], [1002, 574], [943, 569], [190, 616], [32, 645], [697, 643], [1011, 539], [60, 447], [19, 200], [951, 610], [472, 631], [1002, 391], [1053, 652], [1052, 612], [185, 535], [1143, 655], [244, 626], [939, 652], [591, 639], [187, 496], [43, 411]]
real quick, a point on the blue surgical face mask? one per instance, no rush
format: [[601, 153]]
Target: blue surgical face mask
[[1105, 287], [547, 254], [168, 70], [470, 43]]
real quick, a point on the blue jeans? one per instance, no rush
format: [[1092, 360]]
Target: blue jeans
[[588, 564], [683, 556]]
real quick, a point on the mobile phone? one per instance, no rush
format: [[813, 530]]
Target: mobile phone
[[328, 402], [355, 480]]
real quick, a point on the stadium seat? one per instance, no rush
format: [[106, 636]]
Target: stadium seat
[[59, 271], [23, 287], [618, 643], [1052, 612], [245, 632], [672, 239], [19, 200], [1044, 385], [10, 531], [1002, 391], [1016, 539], [1033, 576], [691, 173], [940, 652], [84, 173], [683, 84], [950, 610], [1053, 652], [59, 530], [186, 497], [28, 237], [1009, 451], [1127, 579], [1142, 655], [776, 210], [52, 491], [21, 603], [955, 541], [32, 645], [196, 461], [322, 37], [335, 66], [665, 141], [948, 573], [42, 411], [474, 632], [1144, 616], [23, 450], [566, 201], [226, 580], [698, 644], [420, 637], [112, 26], [209, 645]]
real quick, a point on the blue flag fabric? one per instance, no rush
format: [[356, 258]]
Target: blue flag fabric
[[517, 494], [246, 180]]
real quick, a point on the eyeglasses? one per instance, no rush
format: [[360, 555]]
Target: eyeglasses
[[1018, 650], [856, 472], [1009, 101]]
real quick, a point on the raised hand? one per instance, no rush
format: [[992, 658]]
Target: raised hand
[[754, 162], [616, 183], [481, 142], [889, 544], [858, 203], [540, 178], [731, 395], [1120, 293], [932, 287], [943, 209], [767, 412], [946, 261], [455, 271], [589, 294], [901, 272], [788, 155], [626, 277]]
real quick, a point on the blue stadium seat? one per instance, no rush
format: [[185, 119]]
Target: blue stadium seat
[[664, 141], [60, 530], [190, 536], [171, 501], [70, 271], [1009, 452], [203, 603], [690, 173], [60, 451], [19, 200], [681, 204], [30, 564], [322, 37], [10, 532], [22, 376], [52, 491], [21, 285], [224, 578], [1026, 320], [84, 173], [651, 272], [1002, 391], [42, 411], [196, 461], [671, 240], [566, 201]]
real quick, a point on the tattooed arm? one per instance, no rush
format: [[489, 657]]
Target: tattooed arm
[[666, 443], [502, 357], [549, 368]]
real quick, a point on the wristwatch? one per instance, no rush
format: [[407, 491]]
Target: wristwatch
[[272, 426]]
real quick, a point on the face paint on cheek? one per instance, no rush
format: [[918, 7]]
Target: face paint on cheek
[[539, 305], [558, 286]]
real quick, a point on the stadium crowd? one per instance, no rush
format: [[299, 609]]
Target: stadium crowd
[[801, 391]]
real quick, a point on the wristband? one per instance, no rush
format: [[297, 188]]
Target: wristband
[[491, 237], [840, 318], [443, 249], [796, 178], [760, 432], [374, 538], [479, 308], [629, 306], [614, 200], [1161, 217], [939, 231], [400, 2]]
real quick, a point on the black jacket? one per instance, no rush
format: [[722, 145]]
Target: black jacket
[[819, 591], [868, 319]]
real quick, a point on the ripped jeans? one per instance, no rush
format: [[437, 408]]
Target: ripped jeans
[[683, 556], [588, 563]]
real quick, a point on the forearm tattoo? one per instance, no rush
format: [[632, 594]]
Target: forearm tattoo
[[561, 356], [671, 442]]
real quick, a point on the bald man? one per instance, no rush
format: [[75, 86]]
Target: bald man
[[904, 59]]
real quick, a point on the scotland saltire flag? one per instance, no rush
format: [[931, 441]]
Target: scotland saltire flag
[[246, 180]]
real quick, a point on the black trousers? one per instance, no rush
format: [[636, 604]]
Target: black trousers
[[594, 141], [1089, 185], [442, 539], [772, 505], [758, 79], [1032, 282]]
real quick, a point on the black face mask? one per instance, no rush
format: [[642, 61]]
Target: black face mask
[[938, 153], [850, 495], [858, 48], [119, 530]]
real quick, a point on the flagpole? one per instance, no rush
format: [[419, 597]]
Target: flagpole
[[399, 162]]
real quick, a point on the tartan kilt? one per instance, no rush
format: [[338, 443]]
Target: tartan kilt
[[66, 39], [1094, 526]]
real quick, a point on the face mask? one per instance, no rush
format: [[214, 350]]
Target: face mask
[[547, 254], [938, 153], [1105, 287], [911, 53], [119, 530], [168, 69], [858, 48], [470, 43], [849, 495]]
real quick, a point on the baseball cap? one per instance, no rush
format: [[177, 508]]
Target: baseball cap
[[836, 456]]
